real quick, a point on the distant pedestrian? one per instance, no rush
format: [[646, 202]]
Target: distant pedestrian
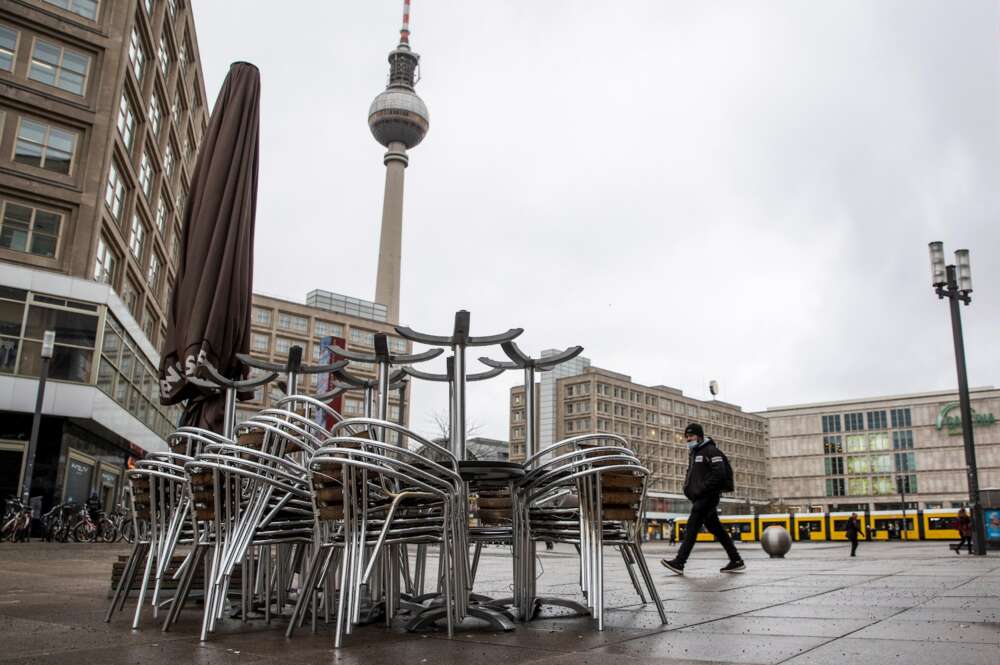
[[673, 532], [708, 476], [853, 530], [964, 531]]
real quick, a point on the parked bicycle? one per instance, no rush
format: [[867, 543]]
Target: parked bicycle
[[58, 522], [124, 527], [16, 524]]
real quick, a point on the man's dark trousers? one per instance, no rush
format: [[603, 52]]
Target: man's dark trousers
[[703, 511], [854, 544]]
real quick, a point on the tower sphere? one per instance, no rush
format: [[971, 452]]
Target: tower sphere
[[398, 115]]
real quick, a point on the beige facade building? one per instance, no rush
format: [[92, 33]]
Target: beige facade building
[[280, 324], [857, 454], [102, 109], [652, 418]]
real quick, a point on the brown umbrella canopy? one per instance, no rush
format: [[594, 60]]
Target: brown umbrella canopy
[[210, 310]]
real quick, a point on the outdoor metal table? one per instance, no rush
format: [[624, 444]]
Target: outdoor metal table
[[480, 474]]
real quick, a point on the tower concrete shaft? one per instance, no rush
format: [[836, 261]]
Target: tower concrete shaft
[[398, 119], [391, 238]]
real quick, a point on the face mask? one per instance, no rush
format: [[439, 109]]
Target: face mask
[[693, 444]]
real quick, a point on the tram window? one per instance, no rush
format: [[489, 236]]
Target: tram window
[[840, 525], [809, 526], [942, 523], [764, 525], [884, 524]]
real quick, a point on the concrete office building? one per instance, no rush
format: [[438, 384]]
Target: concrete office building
[[102, 108], [278, 324], [577, 398], [858, 454]]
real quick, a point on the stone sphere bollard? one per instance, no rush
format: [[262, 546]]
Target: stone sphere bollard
[[776, 541]]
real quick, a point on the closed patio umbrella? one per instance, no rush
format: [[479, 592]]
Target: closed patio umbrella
[[210, 311]]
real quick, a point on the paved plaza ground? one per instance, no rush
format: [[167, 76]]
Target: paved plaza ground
[[906, 603]]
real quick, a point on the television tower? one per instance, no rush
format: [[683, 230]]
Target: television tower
[[398, 120]]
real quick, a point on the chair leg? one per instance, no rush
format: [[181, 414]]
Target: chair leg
[[644, 570], [629, 563], [150, 558], [124, 582], [307, 590]]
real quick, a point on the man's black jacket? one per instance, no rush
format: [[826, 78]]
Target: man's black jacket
[[706, 474]]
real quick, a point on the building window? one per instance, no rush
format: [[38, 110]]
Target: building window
[[835, 487], [906, 484], [167, 294], [84, 8], [901, 418], [327, 329], [149, 326], [906, 462], [857, 486], [881, 463], [878, 441], [854, 422], [859, 464], [832, 445], [292, 322], [902, 440], [137, 237], [164, 56], [130, 296], [175, 246], [153, 272], [190, 145], [8, 48], [261, 316], [28, 229], [145, 175], [135, 54], [126, 121], [161, 215], [831, 423], [182, 198], [183, 54], [877, 420], [856, 443], [168, 161], [105, 263], [114, 197], [363, 337], [175, 109], [155, 114], [261, 343], [834, 466], [44, 146], [62, 68], [282, 345]]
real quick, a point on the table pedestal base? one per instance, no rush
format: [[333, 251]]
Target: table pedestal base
[[497, 619]]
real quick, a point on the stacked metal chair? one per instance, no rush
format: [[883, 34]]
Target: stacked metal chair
[[369, 499], [609, 486], [251, 505]]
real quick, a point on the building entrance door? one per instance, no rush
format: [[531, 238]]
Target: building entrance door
[[11, 468], [79, 474]]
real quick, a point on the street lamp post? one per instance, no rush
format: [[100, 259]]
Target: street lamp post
[[48, 341], [954, 282], [900, 481]]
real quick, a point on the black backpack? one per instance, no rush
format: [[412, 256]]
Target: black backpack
[[730, 484]]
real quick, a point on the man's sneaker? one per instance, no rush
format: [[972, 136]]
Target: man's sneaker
[[674, 566], [733, 567]]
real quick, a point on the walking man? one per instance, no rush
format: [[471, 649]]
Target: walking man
[[852, 530], [707, 477], [964, 531]]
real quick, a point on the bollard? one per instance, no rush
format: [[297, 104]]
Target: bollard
[[776, 541]]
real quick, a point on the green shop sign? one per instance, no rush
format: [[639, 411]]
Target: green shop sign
[[954, 423]]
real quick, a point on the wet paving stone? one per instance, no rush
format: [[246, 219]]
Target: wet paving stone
[[910, 603]]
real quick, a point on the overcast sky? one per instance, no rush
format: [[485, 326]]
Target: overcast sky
[[739, 191]]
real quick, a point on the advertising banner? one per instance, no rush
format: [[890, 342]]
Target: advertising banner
[[325, 381], [992, 518]]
